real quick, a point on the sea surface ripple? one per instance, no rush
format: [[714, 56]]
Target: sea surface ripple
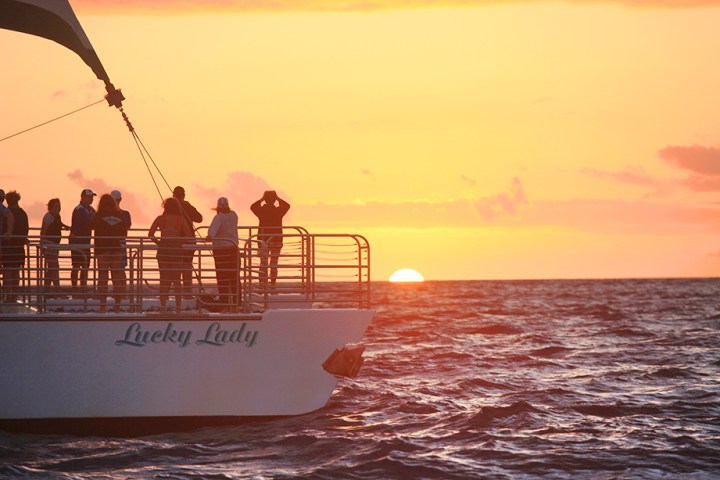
[[601, 379]]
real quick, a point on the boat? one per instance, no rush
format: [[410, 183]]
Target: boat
[[275, 349]]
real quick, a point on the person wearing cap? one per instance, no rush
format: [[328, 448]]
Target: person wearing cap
[[110, 229], [191, 216], [223, 233], [270, 210], [128, 220], [117, 195], [79, 238], [13, 255]]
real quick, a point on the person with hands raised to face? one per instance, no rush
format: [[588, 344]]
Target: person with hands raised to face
[[270, 210]]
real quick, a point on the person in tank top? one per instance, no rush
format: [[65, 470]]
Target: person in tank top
[[50, 236], [174, 233]]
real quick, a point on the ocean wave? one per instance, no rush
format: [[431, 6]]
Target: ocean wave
[[496, 329], [487, 415], [616, 410], [555, 351], [672, 372]]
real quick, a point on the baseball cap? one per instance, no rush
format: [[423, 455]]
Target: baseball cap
[[116, 195], [222, 202], [87, 192]]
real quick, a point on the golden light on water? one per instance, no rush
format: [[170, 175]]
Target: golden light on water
[[406, 275]]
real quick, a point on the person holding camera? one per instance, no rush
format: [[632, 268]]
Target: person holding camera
[[270, 210]]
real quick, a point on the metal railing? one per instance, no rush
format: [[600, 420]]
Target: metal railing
[[310, 270]]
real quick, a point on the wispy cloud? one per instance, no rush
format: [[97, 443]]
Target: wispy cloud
[[510, 208], [624, 216], [104, 6], [469, 181], [602, 216], [696, 158], [703, 163], [631, 175], [142, 209], [505, 203]]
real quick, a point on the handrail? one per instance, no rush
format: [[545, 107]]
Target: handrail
[[312, 270]]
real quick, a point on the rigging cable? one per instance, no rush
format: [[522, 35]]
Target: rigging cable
[[52, 120], [143, 151]]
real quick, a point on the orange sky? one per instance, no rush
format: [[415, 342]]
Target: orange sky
[[497, 140]]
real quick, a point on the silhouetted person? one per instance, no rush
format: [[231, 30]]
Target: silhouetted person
[[224, 236], [192, 216], [13, 255], [174, 233], [270, 210], [110, 229], [50, 236], [80, 232], [128, 219], [6, 226]]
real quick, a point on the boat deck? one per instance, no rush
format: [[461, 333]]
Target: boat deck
[[314, 270]]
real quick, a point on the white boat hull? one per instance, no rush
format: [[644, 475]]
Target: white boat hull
[[148, 366]]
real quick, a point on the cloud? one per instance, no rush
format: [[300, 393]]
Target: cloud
[[142, 209], [471, 182], [646, 217], [181, 6], [631, 175], [506, 209], [459, 212], [703, 163], [634, 176], [34, 211], [409, 214], [696, 158], [241, 189], [597, 216], [490, 208]]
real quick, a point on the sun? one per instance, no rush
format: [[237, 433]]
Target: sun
[[406, 275]]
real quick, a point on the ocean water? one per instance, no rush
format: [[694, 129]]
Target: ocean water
[[498, 379]]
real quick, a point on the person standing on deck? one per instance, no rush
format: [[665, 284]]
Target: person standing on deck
[[192, 216], [79, 237], [128, 220], [223, 233], [175, 232], [50, 236], [270, 232], [110, 229], [13, 255], [6, 226]]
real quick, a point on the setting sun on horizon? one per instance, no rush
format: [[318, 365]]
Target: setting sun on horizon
[[472, 140], [406, 275]]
